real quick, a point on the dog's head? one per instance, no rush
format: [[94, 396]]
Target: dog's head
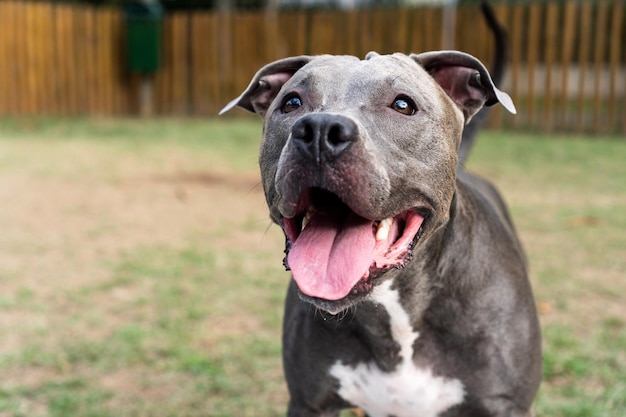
[[358, 159]]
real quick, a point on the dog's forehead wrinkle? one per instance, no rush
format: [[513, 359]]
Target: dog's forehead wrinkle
[[356, 75]]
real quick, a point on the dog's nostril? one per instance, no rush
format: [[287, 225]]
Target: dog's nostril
[[302, 131], [336, 138], [336, 135]]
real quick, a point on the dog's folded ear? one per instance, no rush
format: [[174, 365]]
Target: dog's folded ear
[[266, 83], [465, 79]]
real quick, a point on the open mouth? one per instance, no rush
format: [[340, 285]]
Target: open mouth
[[335, 254]]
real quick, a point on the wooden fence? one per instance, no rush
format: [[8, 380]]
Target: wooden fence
[[567, 67]]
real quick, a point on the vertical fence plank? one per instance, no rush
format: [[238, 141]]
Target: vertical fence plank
[[15, 64], [32, 56], [377, 31], [403, 36], [180, 64], [199, 35], [600, 42], [270, 37], [616, 48], [209, 97], [96, 68], [26, 46], [484, 39], [295, 24], [463, 19], [21, 55], [30, 46], [551, 44], [212, 49], [203, 48], [242, 51], [275, 39], [163, 77], [432, 29], [40, 38], [515, 41], [226, 55], [80, 54], [584, 31], [90, 88], [5, 65], [352, 28], [50, 72], [121, 90], [256, 51], [107, 64], [532, 57], [497, 116], [60, 98], [96, 65], [121, 95], [568, 27], [393, 30], [67, 93], [435, 28], [364, 36], [416, 38], [54, 73], [79, 81], [325, 33]]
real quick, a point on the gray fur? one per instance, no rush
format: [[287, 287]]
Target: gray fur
[[465, 288]]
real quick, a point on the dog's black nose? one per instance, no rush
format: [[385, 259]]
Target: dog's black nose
[[322, 137]]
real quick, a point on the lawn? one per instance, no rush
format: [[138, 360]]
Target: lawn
[[140, 274]]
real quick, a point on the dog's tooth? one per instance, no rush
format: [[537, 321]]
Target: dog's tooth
[[306, 218], [382, 232]]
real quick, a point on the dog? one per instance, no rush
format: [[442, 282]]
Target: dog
[[410, 295]]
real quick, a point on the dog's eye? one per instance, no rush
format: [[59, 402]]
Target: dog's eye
[[404, 105], [291, 103]]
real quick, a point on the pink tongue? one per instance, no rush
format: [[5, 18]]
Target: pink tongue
[[332, 254]]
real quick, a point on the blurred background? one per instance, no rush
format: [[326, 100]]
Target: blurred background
[[567, 59]]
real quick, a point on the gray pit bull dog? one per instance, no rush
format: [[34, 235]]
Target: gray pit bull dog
[[410, 295]]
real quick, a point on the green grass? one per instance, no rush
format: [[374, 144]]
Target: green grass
[[140, 276]]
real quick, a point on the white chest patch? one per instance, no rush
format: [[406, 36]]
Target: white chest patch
[[408, 391]]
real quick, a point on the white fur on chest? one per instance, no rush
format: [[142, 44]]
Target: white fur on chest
[[408, 391]]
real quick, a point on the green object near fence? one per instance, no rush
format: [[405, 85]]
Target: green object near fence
[[144, 22]]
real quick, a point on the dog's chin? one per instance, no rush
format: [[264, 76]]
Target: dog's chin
[[360, 292], [331, 307]]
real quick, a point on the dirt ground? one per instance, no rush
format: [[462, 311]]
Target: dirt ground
[[57, 229], [71, 212]]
